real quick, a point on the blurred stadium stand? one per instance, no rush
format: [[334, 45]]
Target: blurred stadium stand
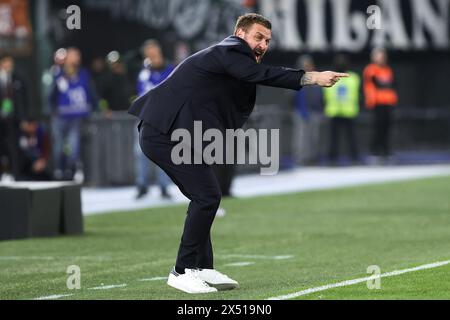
[[417, 41], [108, 150], [109, 143]]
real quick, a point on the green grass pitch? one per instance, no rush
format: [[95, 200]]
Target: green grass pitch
[[331, 236]]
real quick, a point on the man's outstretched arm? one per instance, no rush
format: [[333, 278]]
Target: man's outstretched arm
[[241, 65], [323, 79]]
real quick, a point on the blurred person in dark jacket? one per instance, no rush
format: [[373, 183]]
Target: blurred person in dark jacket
[[73, 99], [13, 106], [34, 151], [309, 106], [100, 74], [117, 90]]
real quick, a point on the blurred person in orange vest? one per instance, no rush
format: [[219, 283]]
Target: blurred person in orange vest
[[381, 97]]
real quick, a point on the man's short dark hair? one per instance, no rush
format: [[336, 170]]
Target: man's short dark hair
[[246, 21]]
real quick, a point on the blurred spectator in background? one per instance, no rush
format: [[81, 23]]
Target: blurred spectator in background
[[182, 51], [14, 105], [73, 98], [48, 77], [34, 151], [154, 71], [381, 97], [100, 74], [342, 108], [117, 90], [309, 108]]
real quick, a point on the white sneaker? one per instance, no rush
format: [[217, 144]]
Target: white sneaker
[[217, 280], [189, 282]]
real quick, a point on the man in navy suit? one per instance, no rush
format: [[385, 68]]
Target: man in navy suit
[[216, 86]]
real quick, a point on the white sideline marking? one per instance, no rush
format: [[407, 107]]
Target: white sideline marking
[[109, 287], [54, 297], [154, 279], [7, 258], [240, 264], [359, 280], [45, 258], [249, 256]]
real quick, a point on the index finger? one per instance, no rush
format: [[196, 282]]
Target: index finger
[[341, 75]]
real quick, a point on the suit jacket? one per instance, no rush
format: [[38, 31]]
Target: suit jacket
[[216, 86]]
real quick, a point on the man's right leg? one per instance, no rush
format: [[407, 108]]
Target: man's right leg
[[199, 184]]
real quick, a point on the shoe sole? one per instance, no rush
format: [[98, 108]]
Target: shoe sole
[[184, 289], [224, 286]]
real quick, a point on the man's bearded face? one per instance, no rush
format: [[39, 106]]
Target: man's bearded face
[[258, 38]]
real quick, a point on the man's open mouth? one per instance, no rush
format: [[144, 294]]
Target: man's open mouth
[[258, 54]]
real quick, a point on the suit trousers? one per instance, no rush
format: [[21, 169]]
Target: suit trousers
[[199, 184]]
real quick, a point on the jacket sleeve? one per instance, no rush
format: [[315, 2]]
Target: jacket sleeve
[[240, 64]]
